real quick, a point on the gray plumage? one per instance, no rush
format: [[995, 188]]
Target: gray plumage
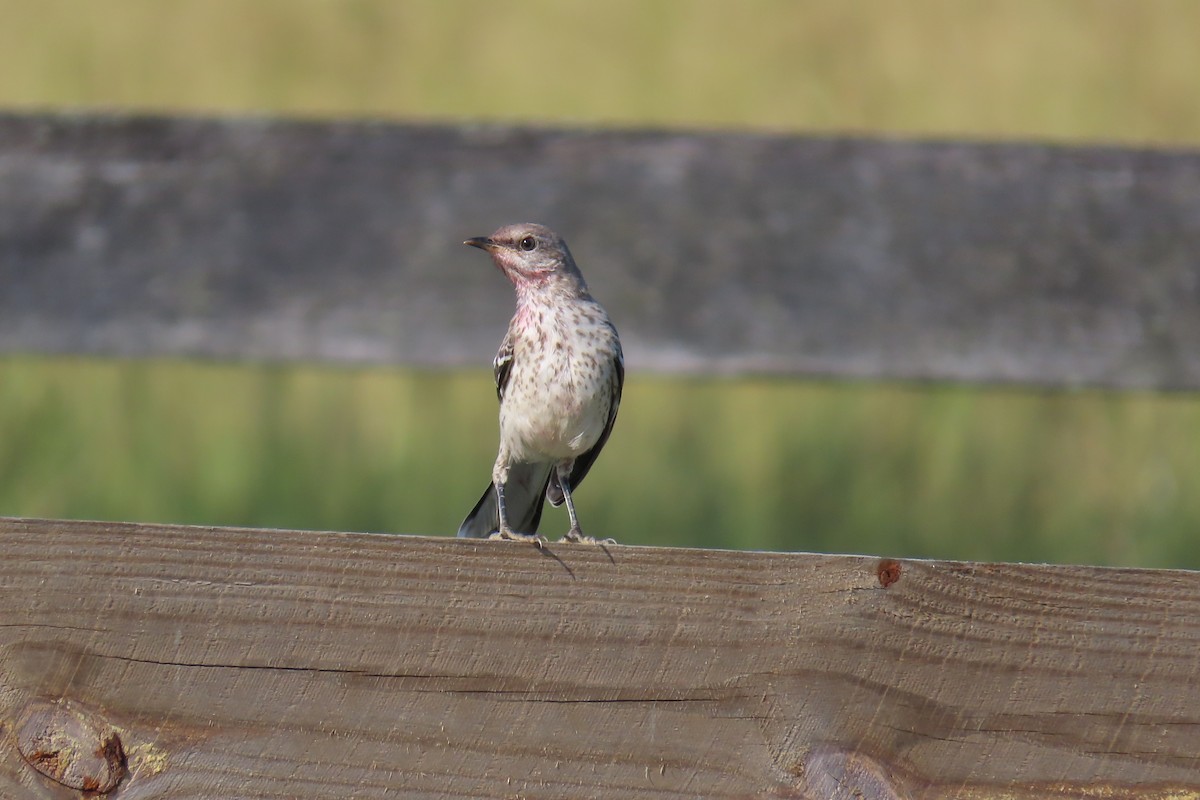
[[559, 375]]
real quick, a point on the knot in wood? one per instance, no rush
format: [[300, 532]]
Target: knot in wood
[[71, 745], [834, 773]]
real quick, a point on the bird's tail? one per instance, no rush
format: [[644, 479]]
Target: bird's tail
[[524, 495]]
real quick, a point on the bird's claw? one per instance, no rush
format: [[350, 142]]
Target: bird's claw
[[508, 535], [579, 537]]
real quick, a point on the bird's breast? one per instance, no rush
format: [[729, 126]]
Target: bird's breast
[[560, 389]]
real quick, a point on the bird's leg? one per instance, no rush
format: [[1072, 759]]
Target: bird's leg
[[575, 534], [501, 511], [499, 477]]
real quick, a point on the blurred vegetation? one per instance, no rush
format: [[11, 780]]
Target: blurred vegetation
[[921, 471]]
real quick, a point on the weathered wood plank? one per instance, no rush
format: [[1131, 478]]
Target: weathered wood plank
[[714, 252], [242, 663]]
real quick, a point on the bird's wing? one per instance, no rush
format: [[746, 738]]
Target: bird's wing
[[584, 462], [502, 365]]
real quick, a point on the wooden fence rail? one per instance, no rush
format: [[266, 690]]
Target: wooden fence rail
[[714, 252], [278, 664]]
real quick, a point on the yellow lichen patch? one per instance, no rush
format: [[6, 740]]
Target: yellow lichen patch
[[146, 759]]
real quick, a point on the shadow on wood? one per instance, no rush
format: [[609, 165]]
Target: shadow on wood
[[247, 663]]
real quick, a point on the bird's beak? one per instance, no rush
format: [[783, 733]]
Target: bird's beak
[[482, 242]]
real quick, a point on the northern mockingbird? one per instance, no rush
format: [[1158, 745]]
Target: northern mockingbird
[[559, 375]]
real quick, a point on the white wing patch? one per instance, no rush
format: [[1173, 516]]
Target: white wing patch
[[502, 366]]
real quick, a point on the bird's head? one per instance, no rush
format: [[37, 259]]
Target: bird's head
[[530, 255]]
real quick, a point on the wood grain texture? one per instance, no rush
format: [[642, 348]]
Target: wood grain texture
[[280, 664], [714, 252]]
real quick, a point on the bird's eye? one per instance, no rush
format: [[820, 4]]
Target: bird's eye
[[528, 243]]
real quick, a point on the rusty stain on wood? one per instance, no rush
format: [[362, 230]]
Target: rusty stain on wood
[[889, 570], [282, 663]]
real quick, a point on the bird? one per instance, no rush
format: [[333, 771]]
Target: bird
[[559, 376]]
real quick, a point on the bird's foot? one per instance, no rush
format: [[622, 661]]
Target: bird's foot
[[578, 536], [509, 535]]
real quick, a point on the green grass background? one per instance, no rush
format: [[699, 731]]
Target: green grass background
[[918, 471]]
